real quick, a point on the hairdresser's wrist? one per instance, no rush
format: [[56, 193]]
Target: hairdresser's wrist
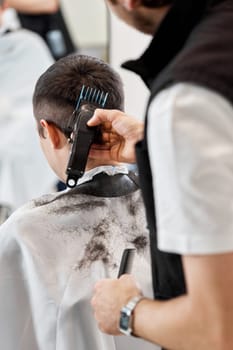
[[126, 322], [137, 317]]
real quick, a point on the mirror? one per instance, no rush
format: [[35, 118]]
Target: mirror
[[87, 21]]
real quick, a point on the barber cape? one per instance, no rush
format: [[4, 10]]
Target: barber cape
[[24, 172], [52, 251]]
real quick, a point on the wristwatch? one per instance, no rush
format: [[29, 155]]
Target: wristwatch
[[126, 317]]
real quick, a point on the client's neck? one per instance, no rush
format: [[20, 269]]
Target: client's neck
[[92, 163]]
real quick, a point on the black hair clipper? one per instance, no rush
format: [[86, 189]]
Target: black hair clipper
[[82, 136]]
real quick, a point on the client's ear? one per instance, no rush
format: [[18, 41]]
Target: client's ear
[[51, 132]]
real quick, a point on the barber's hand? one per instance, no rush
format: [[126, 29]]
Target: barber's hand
[[110, 295], [120, 133]]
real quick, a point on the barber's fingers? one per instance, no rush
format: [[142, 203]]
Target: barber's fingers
[[101, 116], [115, 121]]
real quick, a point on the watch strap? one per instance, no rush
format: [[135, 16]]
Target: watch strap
[[126, 318]]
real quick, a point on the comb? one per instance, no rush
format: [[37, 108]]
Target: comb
[[82, 135], [94, 96], [126, 261]]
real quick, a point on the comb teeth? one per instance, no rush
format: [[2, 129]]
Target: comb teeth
[[92, 95]]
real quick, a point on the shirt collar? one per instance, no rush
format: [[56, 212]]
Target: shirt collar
[[169, 39], [108, 169]]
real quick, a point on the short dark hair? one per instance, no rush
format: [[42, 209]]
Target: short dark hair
[[57, 90], [1, 2]]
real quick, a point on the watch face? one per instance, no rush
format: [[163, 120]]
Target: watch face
[[125, 324], [124, 321]]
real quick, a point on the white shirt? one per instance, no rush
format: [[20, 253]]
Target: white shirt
[[190, 138], [107, 169]]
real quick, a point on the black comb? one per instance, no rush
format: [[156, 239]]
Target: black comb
[[126, 261]]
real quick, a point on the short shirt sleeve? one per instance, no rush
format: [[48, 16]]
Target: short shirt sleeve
[[190, 140]]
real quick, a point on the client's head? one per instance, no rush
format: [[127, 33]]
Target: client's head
[[55, 98], [58, 89]]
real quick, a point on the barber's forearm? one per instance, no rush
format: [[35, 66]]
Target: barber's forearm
[[34, 6], [173, 324]]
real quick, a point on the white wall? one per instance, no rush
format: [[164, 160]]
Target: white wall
[[127, 43], [87, 21]]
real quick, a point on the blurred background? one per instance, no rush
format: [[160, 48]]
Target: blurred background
[[87, 21]]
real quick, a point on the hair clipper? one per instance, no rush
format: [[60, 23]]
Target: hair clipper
[[82, 136]]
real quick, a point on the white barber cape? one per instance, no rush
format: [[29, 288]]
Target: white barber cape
[[52, 251], [24, 173]]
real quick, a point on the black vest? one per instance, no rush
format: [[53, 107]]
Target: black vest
[[193, 44]]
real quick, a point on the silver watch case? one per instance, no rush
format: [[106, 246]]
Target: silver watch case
[[125, 323]]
